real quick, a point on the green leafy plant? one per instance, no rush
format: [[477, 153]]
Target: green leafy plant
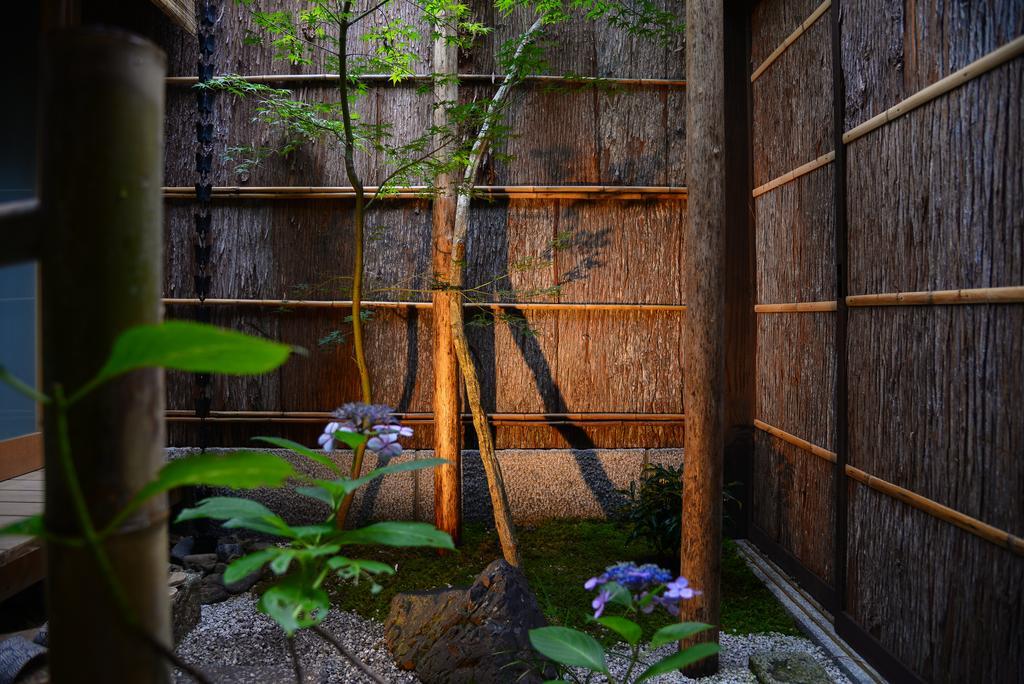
[[654, 507], [312, 552], [634, 589]]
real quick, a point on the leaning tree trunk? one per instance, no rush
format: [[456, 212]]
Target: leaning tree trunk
[[495, 482], [102, 170]]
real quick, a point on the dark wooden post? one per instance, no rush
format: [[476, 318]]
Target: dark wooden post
[[447, 478], [704, 326], [101, 273]]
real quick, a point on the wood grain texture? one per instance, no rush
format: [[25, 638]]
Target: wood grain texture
[[933, 405], [772, 21], [795, 241], [910, 588], [792, 106], [892, 49], [948, 214]]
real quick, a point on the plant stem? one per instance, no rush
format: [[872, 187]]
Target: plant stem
[[359, 221], [352, 657], [296, 665]]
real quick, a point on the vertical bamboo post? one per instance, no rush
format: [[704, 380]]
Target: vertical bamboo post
[[703, 328], [447, 478], [102, 168]]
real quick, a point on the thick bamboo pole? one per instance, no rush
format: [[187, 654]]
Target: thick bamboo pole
[[447, 427], [102, 164], [704, 325], [422, 192], [796, 307], [495, 79], [346, 304], [980, 295]]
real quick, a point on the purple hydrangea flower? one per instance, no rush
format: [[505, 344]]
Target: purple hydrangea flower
[[373, 420], [680, 589], [600, 601]]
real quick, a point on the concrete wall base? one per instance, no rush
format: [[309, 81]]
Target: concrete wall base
[[543, 484]]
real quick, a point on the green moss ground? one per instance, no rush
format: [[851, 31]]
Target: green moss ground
[[558, 557]]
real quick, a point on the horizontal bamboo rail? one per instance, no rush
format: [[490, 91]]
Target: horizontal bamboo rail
[[796, 307], [976, 68], [981, 295], [347, 304], [790, 39], [591, 192], [486, 78], [507, 419], [965, 522], [818, 451], [791, 176]]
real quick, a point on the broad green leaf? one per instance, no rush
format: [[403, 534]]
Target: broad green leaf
[[352, 567], [295, 606], [353, 439], [619, 594], [312, 531], [318, 493], [569, 647], [238, 512], [350, 486], [246, 565], [627, 629], [31, 526], [677, 661], [280, 564], [321, 458], [192, 347], [677, 632], [237, 470], [398, 534]]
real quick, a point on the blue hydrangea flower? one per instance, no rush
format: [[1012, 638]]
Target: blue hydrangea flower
[[374, 420]]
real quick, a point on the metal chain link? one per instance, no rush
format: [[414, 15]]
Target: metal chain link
[[208, 15]]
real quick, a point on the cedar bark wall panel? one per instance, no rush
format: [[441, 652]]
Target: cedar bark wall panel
[[792, 105], [947, 604], [792, 490]]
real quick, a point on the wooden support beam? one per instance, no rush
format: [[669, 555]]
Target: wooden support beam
[[704, 325], [446, 399], [101, 169]]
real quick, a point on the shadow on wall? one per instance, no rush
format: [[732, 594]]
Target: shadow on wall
[[490, 263]]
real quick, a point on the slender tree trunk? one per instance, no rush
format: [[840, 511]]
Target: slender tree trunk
[[447, 428], [704, 323], [495, 482], [358, 230], [102, 170]]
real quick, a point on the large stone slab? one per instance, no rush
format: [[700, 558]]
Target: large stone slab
[[478, 635], [788, 668]]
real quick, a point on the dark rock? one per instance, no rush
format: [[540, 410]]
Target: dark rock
[[244, 584], [228, 552], [185, 607], [787, 668], [476, 635], [181, 549], [211, 589], [42, 637], [219, 568], [204, 562]]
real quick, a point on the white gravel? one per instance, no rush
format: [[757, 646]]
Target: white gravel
[[235, 643]]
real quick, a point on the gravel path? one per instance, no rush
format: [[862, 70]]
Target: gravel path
[[234, 644]]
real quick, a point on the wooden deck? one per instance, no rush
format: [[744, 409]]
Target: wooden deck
[[22, 560]]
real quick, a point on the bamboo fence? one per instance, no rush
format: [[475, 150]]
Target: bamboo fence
[[347, 304], [790, 39], [495, 79], [422, 192], [935, 509]]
